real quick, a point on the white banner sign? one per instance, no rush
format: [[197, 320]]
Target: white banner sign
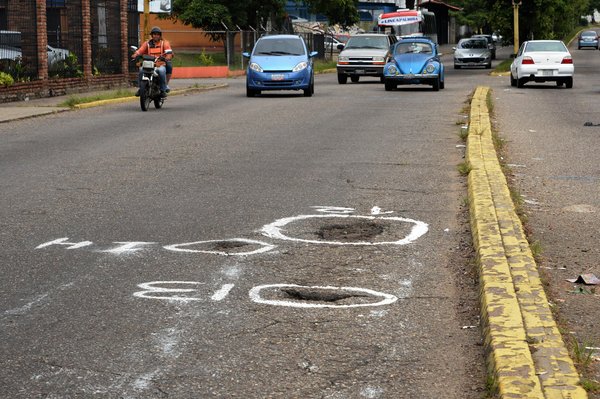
[[156, 6]]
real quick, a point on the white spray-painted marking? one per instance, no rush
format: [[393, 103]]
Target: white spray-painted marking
[[274, 230], [40, 299], [378, 211], [151, 289], [143, 382], [222, 292], [255, 296], [127, 247], [25, 308], [333, 209], [265, 247], [63, 241], [372, 392]]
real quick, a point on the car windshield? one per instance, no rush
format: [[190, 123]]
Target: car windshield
[[545, 46], [279, 47], [480, 44], [380, 42], [406, 48]]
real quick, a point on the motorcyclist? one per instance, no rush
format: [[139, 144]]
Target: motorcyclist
[[157, 47]]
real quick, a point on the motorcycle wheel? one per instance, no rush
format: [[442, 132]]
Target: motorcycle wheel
[[145, 95], [158, 102]]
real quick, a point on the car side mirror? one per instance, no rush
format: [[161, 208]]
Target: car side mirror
[[454, 48], [246, 54], [340, 46], [313, 54]]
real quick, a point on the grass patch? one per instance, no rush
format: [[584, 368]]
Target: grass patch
[[536, 250], [464, 168], [590, 385], [581, 355], [323, 65], [503, 66], [75, 100]]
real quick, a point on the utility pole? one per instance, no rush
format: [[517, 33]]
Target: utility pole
[[146, 32], [516, 4]]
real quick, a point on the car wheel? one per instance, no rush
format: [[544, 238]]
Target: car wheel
[[489, 66], [382, 79], [310, 90], [442, 84], [569, 83], [342, 78], [513, 81], [456, 66], [354, 79], [559, 83], [520, 82], [250, 92], [389, 86], [436, 84]]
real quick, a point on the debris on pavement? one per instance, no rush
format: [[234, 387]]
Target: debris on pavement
[[587, 279]]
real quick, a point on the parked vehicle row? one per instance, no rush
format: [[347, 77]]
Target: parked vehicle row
[[283, 62]]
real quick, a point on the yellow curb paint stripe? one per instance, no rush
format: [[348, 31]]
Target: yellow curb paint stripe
[[526, 353]]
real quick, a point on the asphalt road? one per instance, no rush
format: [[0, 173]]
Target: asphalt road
[[278, 246]]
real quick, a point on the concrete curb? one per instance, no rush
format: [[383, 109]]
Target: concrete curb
[[131, 98], [526, 354]]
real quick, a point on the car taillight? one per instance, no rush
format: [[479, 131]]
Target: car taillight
[[527, 61], [567, 60]]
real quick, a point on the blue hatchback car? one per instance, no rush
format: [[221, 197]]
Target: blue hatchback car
[[414, 60], [280, 62]]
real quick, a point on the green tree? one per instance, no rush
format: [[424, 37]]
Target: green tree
[[538, 19], [342, 12]]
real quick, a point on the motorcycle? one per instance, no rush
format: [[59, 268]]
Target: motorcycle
[[150, 84]]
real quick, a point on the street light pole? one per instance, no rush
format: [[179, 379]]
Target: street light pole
[[516, 4]]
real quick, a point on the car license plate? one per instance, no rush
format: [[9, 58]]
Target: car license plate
[[278, 76], [360, 71], [547, 72]]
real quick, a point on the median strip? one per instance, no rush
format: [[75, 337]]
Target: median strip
[[526, 354]]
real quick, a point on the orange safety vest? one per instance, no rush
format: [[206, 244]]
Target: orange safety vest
[[155, 50]]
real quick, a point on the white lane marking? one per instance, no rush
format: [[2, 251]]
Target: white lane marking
[[274, 230], [127, 247], [265, 247], [25, 308], [63, 241], [256, 297], [222, 292], [151, 289]]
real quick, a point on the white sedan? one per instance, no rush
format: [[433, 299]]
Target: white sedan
[[542, 61]]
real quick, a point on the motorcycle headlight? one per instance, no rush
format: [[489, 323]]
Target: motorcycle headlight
[[430, 68], [392, 69], [255, 67], [300, 66]]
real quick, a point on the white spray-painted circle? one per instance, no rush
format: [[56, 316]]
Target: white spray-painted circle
[[274, 230], [255, 297], [265, 247]]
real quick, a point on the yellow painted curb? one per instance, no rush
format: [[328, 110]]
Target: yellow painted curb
[[131, 98], [526, 354]]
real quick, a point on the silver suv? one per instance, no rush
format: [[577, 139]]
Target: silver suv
[[363, 55]]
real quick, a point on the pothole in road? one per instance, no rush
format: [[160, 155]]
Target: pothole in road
[[228, 245], [319, 295], [352, 231]]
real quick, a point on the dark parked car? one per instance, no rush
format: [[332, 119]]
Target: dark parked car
[[587, 38], [491, 43]]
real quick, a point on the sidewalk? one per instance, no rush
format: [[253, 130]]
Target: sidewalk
[[49, 105]]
